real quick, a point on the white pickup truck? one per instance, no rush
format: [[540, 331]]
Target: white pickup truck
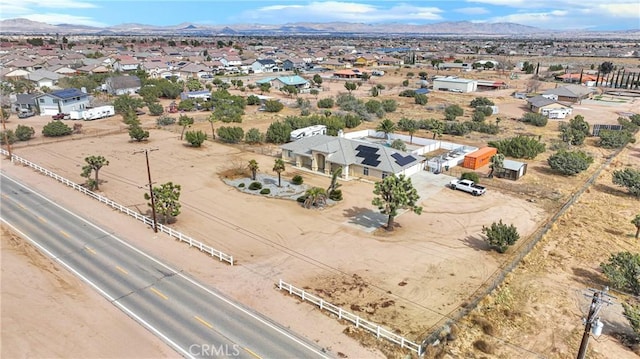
[[468, 186]]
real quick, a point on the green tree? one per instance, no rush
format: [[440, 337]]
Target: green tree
[[193, 85], [253, 100], [316, 197], [94, 164], [386, 126], [253, 136], [535, 119], [453, 111], [126, 104], [265, 87], [253, 167], [481, 101], [137, 133], [615, 139], [195, 138], [606, 67], [636, 222], [519, 147], [167, 201], [420, 99], [365, 76], [569, 163], [374, 91], [273, 106], [278, 167], [334, 185], [389, 105], [187, 105], [184, 121], [501, 236], [628, 178], [478, 116], [373, 106], [623, 271], [326, 103], [7, 136], [56, 128], [155, 109], [394, 193], [24, 133], [632, 312], [314, 92], [278, 132], [399, 145], [289, 90], [408, 125], [496, 164], [317, 79], [230, 134], [350, 86]]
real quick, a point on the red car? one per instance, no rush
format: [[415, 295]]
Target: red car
[[60, 116]]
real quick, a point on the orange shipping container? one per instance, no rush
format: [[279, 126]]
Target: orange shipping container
[[479, 158]]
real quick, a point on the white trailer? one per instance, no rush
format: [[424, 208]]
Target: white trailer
[[308, 132], [94, 113]]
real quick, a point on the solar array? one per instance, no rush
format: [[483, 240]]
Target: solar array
[[597, 128], [403, 160], [68, 93], [369, 155]]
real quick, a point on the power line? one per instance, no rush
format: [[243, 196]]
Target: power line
[[593, 325]]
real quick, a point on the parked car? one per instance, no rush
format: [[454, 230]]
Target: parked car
[[26, 113], [61, 116], [468, 186]]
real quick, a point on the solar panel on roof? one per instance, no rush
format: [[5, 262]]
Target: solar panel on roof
[[371, 161], [403, 160], [363, 148]]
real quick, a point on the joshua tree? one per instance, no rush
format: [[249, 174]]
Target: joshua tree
[[94, 164], [278, 167], [636, 222], [497, 163], [253, 167]]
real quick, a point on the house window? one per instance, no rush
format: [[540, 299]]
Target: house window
[[41, 100], [55, 100], [365, 171], [384, 174]]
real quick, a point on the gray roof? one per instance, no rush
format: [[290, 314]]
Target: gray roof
[[26, 99], [513, 165], [343, 151], [124, 82], [40, 74], [569, 91], [540, 101]]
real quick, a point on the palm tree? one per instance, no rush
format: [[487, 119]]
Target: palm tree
[[213, 118], [278, 167], [636, 222], [387, 126], [497, 163], [253, 167], [316, 196]]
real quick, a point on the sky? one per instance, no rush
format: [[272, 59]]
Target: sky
[[596, 15]]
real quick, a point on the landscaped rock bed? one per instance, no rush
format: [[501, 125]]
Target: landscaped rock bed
[[287, 190]]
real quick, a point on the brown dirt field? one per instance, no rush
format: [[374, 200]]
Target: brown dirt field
[[408, 281], [47, 312]]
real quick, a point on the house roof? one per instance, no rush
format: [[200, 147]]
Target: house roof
[[512, 165], [574, 91], [345, 151], [26, 98], [124, 82], [292, 80], [41, 74], [540, 101], [66, 94], [265, 62]]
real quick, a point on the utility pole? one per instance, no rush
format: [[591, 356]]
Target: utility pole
[[593, 319], [153, 202], [5, 116]]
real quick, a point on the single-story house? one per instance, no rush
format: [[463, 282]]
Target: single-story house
[[570, 93], [454, 84], [325, 154], [549, 107], [120, 85], [44, 78], [512, 170], [281, 81], [62, 101], [25, 102]]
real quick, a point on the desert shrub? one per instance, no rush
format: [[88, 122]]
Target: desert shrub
[[24, 133], [485, 110], [278, 132], [254, 186], [254, 136], [399, 145], [472, 176], [453, 111], [373, 106], [187, 105], [623, 271], [265, 191], [519, 147], [302, 198], [628, 178], [535, 119], [335, 195], [501, 236], [230, 134], [570, 163], [273, 106], [407, 93], [56, 129], [7, 136], [389, 105], [421, 99], [481, 101], [632, 312], [615, 139], [487, 327], [241, 185], [195, 138], [352, 121], [478, 116], [155, 109], [137, 133], [484, 346], [456, 129], [297, 180], [253, 100], [483, 127], [165, 121]]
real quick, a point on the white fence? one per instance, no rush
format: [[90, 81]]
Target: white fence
[[146, 220], [359, 322]]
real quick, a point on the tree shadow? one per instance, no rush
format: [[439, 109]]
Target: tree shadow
[[614, 191], [477, 242], [589, 277], [365, 217]]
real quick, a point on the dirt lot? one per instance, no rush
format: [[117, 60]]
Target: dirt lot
[[409, 281]]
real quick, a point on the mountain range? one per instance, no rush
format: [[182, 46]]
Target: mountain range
[[461, 28]]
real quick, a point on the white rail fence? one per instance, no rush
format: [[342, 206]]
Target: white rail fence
[[359, 322], [223, 257]]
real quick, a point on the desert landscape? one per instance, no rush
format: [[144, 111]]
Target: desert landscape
[[413, 280]]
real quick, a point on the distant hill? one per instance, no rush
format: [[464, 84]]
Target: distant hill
[[459, 28]]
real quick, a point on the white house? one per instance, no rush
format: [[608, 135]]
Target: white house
[[455, 84], [63, 101]]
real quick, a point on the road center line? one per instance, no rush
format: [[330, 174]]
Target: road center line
[[159, 293], [42, 219], [90, 249], [252, 353], [66, 234], [121, 270], [203, 321]]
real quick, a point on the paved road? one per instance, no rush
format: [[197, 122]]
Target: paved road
[[192, 319]]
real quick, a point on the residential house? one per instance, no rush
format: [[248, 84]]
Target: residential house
[[120, 85], [325, 154], [25, 102], [570, 93], [192, 71], [455, 84], [264, 65], [62, 101], [390, 61], [549, 107], [365, 60], [126, 63], [44, 78]]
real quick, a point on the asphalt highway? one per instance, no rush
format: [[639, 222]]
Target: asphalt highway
[[196, 321]]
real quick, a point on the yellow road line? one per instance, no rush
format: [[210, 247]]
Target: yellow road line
[[90, 249], [5, 196], [203, 321], [121, 270], [159, 294], [252, 353], [42, 219], [66, 234]]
